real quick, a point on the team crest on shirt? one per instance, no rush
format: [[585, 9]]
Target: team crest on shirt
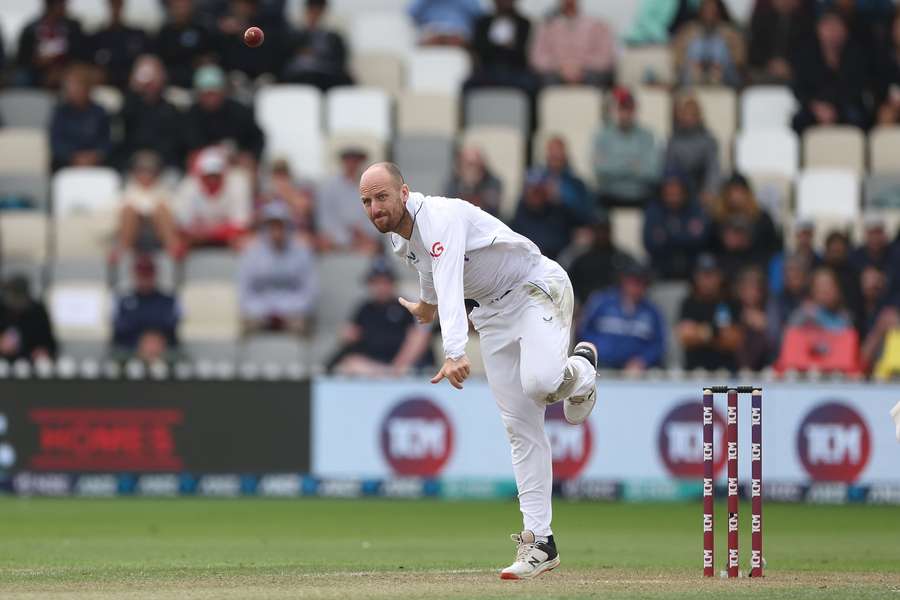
[[411, 257], [437, 249]]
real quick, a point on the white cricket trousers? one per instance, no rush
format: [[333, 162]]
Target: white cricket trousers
[[525, 339]]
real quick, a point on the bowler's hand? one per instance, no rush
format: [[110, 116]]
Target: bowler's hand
[[422, 311], [454, 370]]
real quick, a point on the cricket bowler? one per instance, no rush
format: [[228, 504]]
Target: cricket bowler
[[523, 305]]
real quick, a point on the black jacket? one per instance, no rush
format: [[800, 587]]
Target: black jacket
[[233, 121]]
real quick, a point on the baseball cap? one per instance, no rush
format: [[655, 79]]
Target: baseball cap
[[210, 162], [739, 180], [209, 77], [380, 268], [635, 268], [706, 262], [623, 97]]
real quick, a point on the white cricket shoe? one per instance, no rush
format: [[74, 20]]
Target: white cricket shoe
[[578, 408], [895, 414], [532, 557]]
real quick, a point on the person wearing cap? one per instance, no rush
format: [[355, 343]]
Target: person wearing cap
[[79, 128], [183, 42], [597, 267], [25, 329], [213, 203], [382, 338], [875, 249], [625, 156], [146, 209], [708, 326], [473, 181], [736, 250], [628, 330], [339, 224], [543, 217], [277, 279], [737, 201], [148, 120], [146, 320], [676, 229], [316, 55], [217, 119], [804, 234]]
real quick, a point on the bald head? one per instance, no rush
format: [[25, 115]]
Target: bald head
[[384, 195], [382, 170]]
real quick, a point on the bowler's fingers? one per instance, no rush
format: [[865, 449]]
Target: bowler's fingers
[[437, 378]]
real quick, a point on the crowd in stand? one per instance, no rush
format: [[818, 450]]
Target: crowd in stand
[[195, 177]]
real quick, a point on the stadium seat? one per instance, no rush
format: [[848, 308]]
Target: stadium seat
[[24, 191], [24, 151], [579, 145], [668, 295], [811, 348], [882, 192], [654, 111], [374, 147], [211, 264], [23, 237], [504, 149], [16, 15], [210, 311], [498, 107], [274, 348], [767, 107], [884, 150], [382, 31], [427, 114], [719, 108], [26, 108], [645, 65], [570, 108], [773, 192], [438, 70], [85, 190], [379, 70], [425, 160], [767, 152], [473, 353], [341, 283], [828, 193], [628, 230], [839, 147], [80, 311], [291, 118], [358, 110]]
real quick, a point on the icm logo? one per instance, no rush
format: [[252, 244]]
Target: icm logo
[[417, 438], [680, 440], [833, 443], [571, 444]]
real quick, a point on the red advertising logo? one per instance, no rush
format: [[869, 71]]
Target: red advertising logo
[[571, 444], [437, 249], [77, 439], [680, 440], [833, 443], [417, 438]]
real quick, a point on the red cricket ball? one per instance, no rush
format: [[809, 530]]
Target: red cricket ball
[[254, 37]]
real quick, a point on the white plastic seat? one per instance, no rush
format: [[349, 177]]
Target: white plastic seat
[[719, 108], [291, 118], [767, 152], [839, 147], [85, 190], [380, 70], [23, 236], [382, 31], [627, 231], [570, 108], [654, 111], [427, 113], [767, 106], [80, 310], [645, 65], [359, 110], [504, 150], [773, 192], [84, 236], [828, 193], [210, 310], [438, 70], [884, 150], [24, 151]]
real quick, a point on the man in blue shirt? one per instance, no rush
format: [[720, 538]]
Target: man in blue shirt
[[146, 320], [627, 329], [445, 22]]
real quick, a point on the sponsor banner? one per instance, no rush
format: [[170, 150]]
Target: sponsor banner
[[639, 432], [144, 427]]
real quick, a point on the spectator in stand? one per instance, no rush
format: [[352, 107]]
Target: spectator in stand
[[599, 265], [236, 56], [790, 296], [564, 186], [655, 21], [878, 326], [825, 307], [735, 249], [676, 229], [79, 129], [500, 47], [183, 42], [779, 30], [277, 277], [709, 327], [299, 197], [830, 78], [837, 258], [888, 77], [49, 45], [710, 50], [213, 204], [738, 202], [146, 219], [340, 223], [474, 182], [445, 22], [693, 150], [757, 348], [874, 291], [148, 121], [316, 55], [876, 248], [382, 338], [215, 119], [626, 159], [115, 48], [628, 330], [804, 237], [25, 329], [146, 321], [542, 216], [572, 48]]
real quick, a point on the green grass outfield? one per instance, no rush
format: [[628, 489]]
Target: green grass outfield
[[256, 548]]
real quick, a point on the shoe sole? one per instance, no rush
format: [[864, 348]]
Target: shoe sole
[[545, 568], [593, 349]]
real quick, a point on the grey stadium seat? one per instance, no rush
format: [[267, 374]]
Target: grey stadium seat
[[27, 108], [882, 192], [211, 264], [341, 289], [31, 190], [668, 296], [426, 161], [499, 107]]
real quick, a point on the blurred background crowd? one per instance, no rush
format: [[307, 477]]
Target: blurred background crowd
[[720, 179]]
